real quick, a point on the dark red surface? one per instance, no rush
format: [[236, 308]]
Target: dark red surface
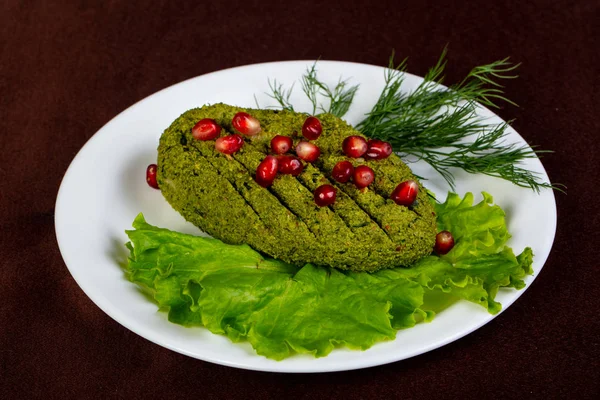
[[66, 68]]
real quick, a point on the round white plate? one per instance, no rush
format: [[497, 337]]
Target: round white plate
[[105, 188]]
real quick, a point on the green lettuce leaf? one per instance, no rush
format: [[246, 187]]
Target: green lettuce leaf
[[282, 309]]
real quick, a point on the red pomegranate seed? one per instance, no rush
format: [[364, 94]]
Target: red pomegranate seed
[[267, 171], [354, 146], [405, 193], [378, 149], [307, 151], [229, 144], [363, 176], [290, 165], [312, 128], [206, 129], [444, 242], [246, 124], [151, 176], [281, 144], [342, 171], [325, 195]]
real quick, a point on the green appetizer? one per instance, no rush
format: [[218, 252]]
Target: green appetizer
[[363, 229]]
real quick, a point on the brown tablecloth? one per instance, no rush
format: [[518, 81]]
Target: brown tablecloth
[[66, 68]]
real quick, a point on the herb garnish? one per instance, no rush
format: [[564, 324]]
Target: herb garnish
[[436, 124], [339, 99]]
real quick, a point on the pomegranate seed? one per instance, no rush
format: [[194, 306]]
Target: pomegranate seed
[[229, 144], [405, 193], [267, 171], [342, 171], [363, 176], [312, 128], [290, 165], [246, 124], [444, 242], [325, 195], [354, 146], [151, 176], [206, 129], [281, 144], [378, 149], [307, 151]]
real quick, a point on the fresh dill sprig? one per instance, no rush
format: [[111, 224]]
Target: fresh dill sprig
[[441, 126], [473, 86], [310, 89], [340, 98], [281, 95], [436, 124]]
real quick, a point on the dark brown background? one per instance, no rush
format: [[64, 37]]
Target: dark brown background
[[67, 68]]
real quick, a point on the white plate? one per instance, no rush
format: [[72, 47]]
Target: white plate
[[105, 188]]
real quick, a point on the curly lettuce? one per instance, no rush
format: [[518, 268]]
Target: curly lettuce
[[282, 310]]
